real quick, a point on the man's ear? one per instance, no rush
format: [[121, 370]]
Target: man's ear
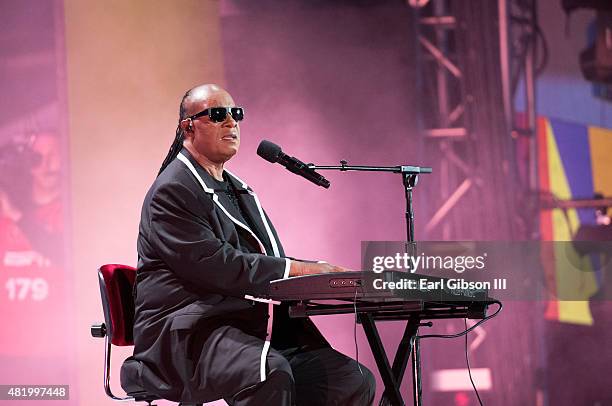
[[187, 125]]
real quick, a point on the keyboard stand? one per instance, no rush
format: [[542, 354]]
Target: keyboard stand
[[393, 377], [412, 311]]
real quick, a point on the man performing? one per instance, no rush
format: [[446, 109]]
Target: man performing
[[206, 249]]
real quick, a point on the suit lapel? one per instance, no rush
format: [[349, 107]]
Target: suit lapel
[[248, 200], [202, 177], [250, 204]]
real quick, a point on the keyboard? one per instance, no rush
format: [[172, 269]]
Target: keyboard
[[388, 285]]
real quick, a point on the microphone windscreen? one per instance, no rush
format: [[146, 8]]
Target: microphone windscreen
[[269, 151]]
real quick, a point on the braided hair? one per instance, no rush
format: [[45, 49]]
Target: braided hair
[[177, 144]]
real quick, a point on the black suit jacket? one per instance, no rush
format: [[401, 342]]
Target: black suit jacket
[[192, 269]]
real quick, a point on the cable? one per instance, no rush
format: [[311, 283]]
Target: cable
[[467, 360], [543, 62], [465, 333], [355, 332], [497, 302]]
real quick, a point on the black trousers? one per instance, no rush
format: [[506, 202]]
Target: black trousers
[[230, 366]]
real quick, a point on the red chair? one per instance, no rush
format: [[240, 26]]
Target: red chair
[[116, 285]]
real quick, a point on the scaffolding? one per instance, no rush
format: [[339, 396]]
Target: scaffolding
[[444, 119]]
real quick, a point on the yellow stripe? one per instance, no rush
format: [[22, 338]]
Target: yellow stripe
[[564, 226]]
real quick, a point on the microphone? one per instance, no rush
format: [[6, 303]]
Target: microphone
[[273, 153]]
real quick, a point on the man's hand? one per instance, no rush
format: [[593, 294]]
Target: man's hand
[[299, 268]]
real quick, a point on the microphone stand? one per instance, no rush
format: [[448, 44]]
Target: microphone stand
[[409, 178], [392, 376]]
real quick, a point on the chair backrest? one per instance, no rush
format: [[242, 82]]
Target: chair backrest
[[116, 285]]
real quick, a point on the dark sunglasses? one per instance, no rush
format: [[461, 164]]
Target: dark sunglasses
[[219, 114]]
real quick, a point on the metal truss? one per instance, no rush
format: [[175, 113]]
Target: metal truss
[[519, 33], [443, 75]]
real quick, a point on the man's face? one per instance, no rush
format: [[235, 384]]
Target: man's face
[[217, 142], [46, 173]]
